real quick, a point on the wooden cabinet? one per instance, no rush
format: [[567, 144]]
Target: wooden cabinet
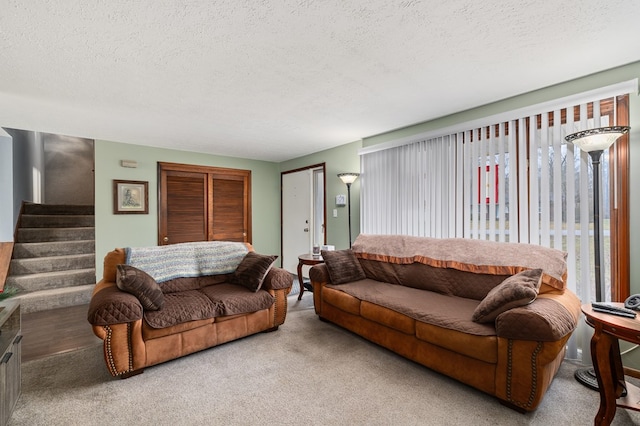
[[199, 203], [10, 358]]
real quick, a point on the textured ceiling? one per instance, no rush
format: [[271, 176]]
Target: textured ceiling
[[275, 80]]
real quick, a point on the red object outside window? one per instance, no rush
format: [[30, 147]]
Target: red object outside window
[[487, 186]]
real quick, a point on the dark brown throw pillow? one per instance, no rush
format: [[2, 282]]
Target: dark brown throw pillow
[[517, 290], [252, 271], [140, 284], [343, 266]]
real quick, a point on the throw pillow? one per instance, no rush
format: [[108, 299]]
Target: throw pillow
[[252, 270], [140, 284], [517, 290], [343, 266]]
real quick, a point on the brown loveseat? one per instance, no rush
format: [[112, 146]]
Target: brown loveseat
[[179, 315], [496, 316]]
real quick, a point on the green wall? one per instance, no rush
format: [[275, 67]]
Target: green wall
[[141, 230], [136, 230], [584, 84], [337, 160]]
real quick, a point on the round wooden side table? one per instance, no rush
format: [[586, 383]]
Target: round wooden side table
[[607, 363], [309, 260]]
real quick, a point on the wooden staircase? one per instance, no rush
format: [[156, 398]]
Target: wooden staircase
[[53, 260]]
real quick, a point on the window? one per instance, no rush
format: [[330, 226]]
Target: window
[[510, 178]]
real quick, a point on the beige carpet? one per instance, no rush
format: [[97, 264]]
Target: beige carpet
[[306, 373]]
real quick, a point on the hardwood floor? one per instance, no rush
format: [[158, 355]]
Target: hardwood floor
[[56, 331], [67, 329]]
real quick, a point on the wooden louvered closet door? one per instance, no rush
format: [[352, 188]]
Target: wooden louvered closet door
[[198, 203]]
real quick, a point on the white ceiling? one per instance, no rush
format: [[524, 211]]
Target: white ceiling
[[275, 80]]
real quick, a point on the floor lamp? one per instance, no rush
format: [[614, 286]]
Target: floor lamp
[[349, 178], [594, 142]]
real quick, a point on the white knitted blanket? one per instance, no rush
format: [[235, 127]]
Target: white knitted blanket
[[195, 259]]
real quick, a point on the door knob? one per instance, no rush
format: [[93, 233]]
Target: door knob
[[306, 229], [165, 239]]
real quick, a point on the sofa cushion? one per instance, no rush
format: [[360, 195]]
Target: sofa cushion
[[343, 266], [388, 317], [344, 301], [181, 307], [425, 277], [483, 348], [252, 270], [140, 284], [192, 283], [235, 299], [381, 271], [517, 290], [149, 333], [450, 312]]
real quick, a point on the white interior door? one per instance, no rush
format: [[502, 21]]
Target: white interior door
[[297, 208]]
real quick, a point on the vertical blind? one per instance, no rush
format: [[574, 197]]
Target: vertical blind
[[515, 180]]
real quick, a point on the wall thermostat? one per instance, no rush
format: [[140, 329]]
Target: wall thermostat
[[341, 200]]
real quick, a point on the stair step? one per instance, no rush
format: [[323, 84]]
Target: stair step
[[31, 208], [53, 248], [53, 261], [51, 264], [55, 298], [35, 235], [50, 280], [56, 221]]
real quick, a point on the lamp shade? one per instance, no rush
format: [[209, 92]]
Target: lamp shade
[[348, 178], [597, 139]]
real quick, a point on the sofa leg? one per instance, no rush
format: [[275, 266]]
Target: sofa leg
[[269, 330], [131, 373]]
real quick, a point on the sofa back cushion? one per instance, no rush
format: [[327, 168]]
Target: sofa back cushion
[[462, 267], [192, 283], [440, 280], [448, 281]]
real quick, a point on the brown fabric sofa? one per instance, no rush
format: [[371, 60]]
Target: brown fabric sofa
[[419, 297], [196, 313]]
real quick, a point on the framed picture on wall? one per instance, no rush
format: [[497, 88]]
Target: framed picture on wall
[[130, 197]]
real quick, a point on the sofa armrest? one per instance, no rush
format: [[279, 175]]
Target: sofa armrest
[[549, 318], [277, 278], [319, 274], [109, 305]]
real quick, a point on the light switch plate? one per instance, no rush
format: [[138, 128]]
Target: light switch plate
[[335, 212], [341, 200]]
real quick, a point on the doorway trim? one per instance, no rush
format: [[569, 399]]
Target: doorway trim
[[324, 213]]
